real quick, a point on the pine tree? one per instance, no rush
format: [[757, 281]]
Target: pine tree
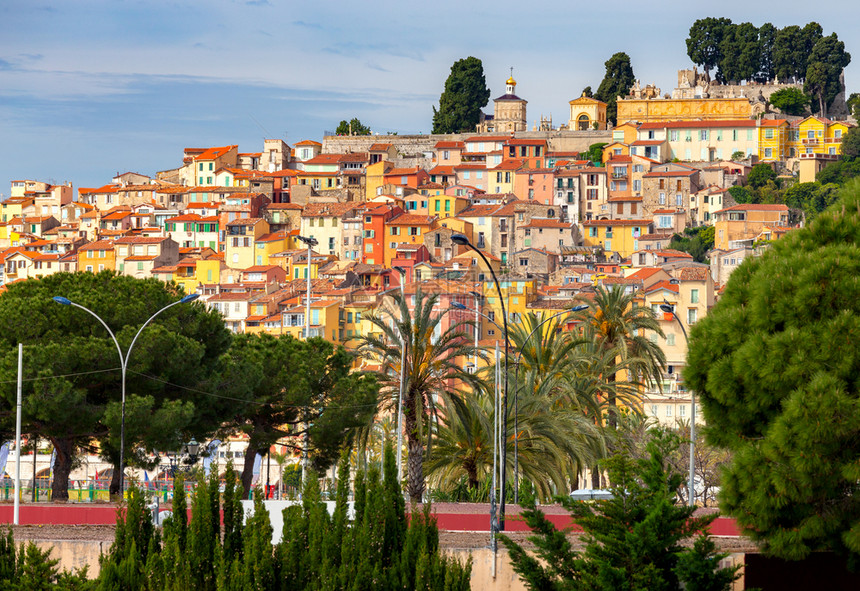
[[632, 541]]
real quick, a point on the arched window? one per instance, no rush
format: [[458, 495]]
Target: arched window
[[583, 122]]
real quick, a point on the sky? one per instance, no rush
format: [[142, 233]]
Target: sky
[[91, 89]]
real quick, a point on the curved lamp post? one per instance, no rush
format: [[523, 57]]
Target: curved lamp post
[[462, 240], [517, 395], [669, 309], [123, 359], [311, 242]]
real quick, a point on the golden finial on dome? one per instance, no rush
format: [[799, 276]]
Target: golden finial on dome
[[511, 81]]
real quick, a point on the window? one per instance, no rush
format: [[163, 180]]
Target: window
[[662, 199], [673, 135], [768, 152], [734, 135], [694, 296], [768, 133], [670, 340], [446, 155], [679, 200], [654, 410], [524, 262], [703, 135], [682, 410], [668, 410], [692, 315], [837, 133]]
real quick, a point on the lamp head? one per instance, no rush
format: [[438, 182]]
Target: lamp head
[[460, 239], [192, 447], [400, 270], [189, 298], [62, 300], [459, 306], [667, 308], [579, 308], [307, 240]]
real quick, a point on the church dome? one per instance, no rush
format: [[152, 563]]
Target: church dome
[[511, 81]]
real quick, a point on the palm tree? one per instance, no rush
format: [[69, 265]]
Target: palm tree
[[434, 369], [618, 327]]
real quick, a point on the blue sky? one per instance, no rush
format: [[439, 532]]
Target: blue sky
[[89, 89]]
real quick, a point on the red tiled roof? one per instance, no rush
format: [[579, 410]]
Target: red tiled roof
[[449, 145], [617, 223], [213, 153], [663, 285], [757, 207]]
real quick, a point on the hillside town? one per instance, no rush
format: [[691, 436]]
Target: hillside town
[[360, 216]]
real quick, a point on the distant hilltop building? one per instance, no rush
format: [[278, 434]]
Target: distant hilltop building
[[698, 98], [587, 113], [509, 113]]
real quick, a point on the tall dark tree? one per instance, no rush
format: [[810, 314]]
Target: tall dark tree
[[766, 40], [465, 94], [851, 143], [789, 60], [290, 388], [826, 62], [616, 82], [775, 364], [740, 53], [704, 40], [76, 400]]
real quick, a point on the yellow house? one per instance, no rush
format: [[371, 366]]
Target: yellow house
[[773, 140], [374, 177], [241, 241], [816, 136], [267, 245], [325, 320], [738, 225], [97, 256], [501, 177], [587, 114], [621, 236], [15, 207], [407, 228], [354, 322], [446, 206], [209, 270], [517, 293]]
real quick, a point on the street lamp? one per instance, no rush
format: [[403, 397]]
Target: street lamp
[[403, 345], [311, 242], [123, 359], [462, 240], [517, 396], [477, 297], [669, 309]]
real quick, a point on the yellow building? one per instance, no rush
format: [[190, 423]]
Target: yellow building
[[241, 241], [816, 136], [269, 244], [325, 320], [659, 109], [586, 114], [406, 228], [374, 178], [446, 206], [738, 225], [97, 256], [501, 178], [773, 140], [517, 294], [621, 236]]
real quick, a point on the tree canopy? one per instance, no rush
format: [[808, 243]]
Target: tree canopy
[[823, 75], [616, 82], [283, 388], [760, 174], [790, 100], [72, 395], [352, 127], [464, 96], [775, 364], [705, 40]]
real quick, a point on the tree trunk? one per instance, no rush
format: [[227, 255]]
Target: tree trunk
[[612, 413], [113, 488], [64, 449], [415, 458], [248, 470], [595, 477]]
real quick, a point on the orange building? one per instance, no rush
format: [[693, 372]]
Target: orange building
[[375, 220], [97, 256], [408, 228]]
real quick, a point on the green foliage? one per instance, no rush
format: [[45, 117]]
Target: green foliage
[[587, 92], [352, 127], [740, 53], [696, 241], [616, 82], [632, 541], [760, 174], [704, 43], [851, 143], [29, 568], [812, 198], [434, 369], [791, 100], [775, 365], [285, 385], [738, 155], [853, 104], [826, 62], [766, 40], [699, 568], [839, 172], [594, 153], [465, 94]]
